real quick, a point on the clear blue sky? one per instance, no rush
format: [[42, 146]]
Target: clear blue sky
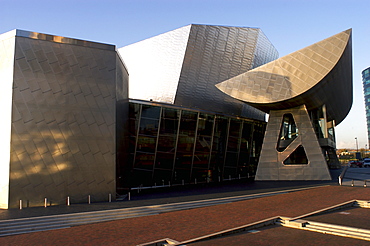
[[289, 24]]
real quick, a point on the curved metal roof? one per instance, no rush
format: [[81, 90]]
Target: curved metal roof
[[318, 74]]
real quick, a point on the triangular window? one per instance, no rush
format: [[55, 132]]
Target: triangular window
[[288, 132], [297, 157]]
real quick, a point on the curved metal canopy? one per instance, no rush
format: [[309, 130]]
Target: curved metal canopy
[[316, 75]]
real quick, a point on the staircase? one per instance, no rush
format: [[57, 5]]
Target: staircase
[[52, 222]]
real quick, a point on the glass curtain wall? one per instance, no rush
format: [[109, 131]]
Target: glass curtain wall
[[174, 146]]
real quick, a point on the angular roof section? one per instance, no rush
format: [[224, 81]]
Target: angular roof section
[[183, 66], [318, 74], [56, 39]]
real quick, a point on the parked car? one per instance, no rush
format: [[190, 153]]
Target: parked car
[[356, 163], [366, 162]]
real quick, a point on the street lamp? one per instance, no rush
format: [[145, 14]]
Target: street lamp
[[357, 154]]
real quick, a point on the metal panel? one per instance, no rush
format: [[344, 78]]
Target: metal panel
[[155, 65], [183, 66], [215, 54], [271, 167], [63, 129], [7, 46], [318, 74]]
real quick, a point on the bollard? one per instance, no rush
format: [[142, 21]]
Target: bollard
[[68, 201], [353, 184], [162, 182], [110, 197], [248, 175], [169, 183], [45, 202], [89, 199], [20, 204], [129, 196], [365, 184]]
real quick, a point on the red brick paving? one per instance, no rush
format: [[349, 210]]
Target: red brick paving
[[187, 224]]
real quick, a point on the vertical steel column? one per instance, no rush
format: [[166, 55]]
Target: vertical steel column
[[194, 145], [137, 134], [250, 147], [212, 137], [156, 142], [226, 145], [239, 144], [176, 143]]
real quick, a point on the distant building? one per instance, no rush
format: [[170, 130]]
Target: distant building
[[366, 86]]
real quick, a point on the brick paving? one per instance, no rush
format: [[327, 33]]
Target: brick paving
[[280, 235], [187, 224]]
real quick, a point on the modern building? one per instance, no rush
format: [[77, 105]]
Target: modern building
[[59, 101], [186, 130], [307, 93], [366, 86], [85, 121]]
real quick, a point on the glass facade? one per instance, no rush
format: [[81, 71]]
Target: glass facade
[[170, 145], [366, 86]]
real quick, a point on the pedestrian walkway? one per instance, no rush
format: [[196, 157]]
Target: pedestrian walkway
[[355, 176], [191, 223]]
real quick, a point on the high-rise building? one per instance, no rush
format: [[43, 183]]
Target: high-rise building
[[366, 86]]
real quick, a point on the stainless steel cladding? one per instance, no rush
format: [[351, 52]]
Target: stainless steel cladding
[[62, 98], [183, 66]]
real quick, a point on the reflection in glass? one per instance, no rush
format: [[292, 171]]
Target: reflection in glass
[[148, 127], [164, 160], [298, 157], [167, 143], [201, 160], [205, 124], [185, 144], [203, 143], [144, 161], [146, 144], [184, 153], [169, 126], [234, 128], [170, 113], [134, 110], [288, 132], [233, 144], [183, 160], [151, 112]]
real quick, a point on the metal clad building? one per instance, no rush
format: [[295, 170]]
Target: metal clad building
[[60, 97], [76, 126], [183, 66]]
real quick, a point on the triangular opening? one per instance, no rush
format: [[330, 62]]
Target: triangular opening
[[288, 132], [297, 157]]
